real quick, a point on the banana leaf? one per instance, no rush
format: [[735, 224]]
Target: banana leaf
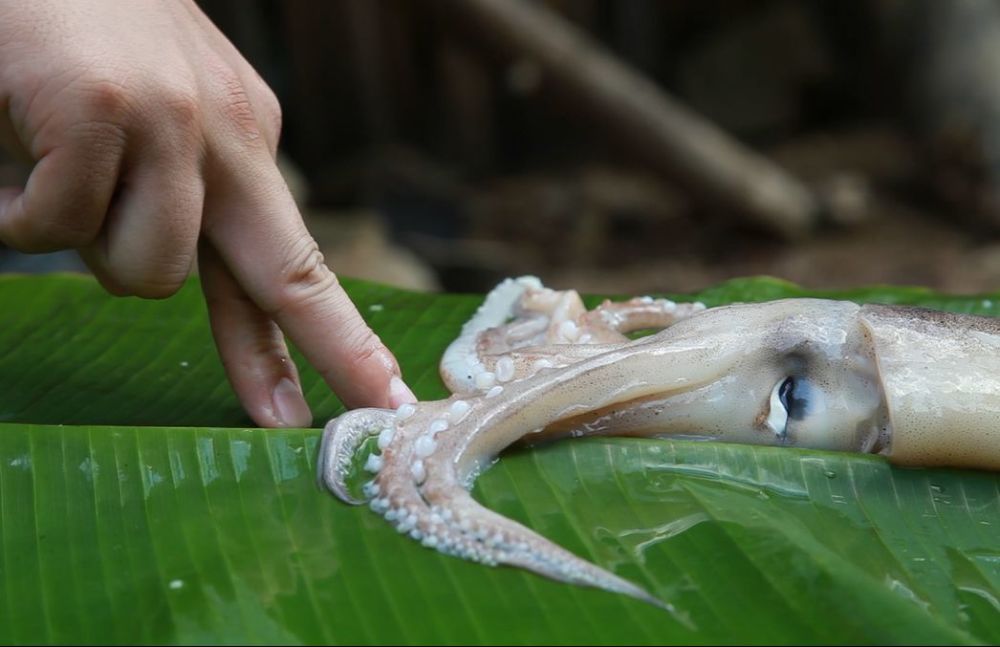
[[139, 505]]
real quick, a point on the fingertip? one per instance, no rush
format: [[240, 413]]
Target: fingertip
[[162, 286], [93, 259], [252, 350], [290, 408], [280, 267], [399, 393]]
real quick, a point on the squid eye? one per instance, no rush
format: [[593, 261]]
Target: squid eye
[[788, 400], [793, 395]]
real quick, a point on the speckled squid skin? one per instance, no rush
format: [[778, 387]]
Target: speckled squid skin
[[920, 387], [940, 375]]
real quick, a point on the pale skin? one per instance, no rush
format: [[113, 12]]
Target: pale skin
[[152, 144], [920, 387]]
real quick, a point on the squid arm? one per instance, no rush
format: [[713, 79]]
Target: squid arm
[[918, 386]]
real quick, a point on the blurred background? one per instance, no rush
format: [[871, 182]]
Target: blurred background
[[633, 146]]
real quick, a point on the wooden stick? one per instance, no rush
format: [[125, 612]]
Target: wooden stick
[[636, 112]]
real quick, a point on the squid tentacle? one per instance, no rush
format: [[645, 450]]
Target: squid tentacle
[[920, 387], [341, 439], [434, 455], [461, 363], [421, 476]]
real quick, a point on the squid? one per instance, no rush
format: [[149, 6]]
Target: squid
[[919, 387]]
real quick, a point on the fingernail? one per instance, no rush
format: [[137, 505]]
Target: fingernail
[[399, 393], [289, 406]]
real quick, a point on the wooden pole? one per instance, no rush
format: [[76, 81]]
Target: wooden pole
[[640, 115]]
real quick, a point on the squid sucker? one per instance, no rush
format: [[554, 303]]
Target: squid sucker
[[917, 386]]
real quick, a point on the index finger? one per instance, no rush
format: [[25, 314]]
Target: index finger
[[254, 223]]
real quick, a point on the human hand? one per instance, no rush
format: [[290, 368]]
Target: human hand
[[152, 138]]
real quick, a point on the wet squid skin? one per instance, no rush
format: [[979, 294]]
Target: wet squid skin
[[918, 386]]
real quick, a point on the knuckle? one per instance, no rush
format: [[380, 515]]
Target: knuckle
[[363, 347], [364, 344], [237, 107], [270, 109], [107, 109], [105, 100], [304, 281], [250, 106], [182, 108]]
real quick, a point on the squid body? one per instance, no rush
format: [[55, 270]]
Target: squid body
[[920, 387]]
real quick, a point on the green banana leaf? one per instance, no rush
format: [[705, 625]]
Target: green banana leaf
[[138, 504]]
